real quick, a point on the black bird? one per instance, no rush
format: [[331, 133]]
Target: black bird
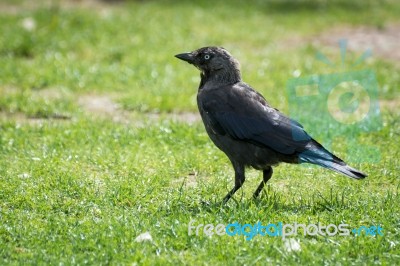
[[246, 128]]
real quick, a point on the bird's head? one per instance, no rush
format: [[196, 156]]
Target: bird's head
[[215, 63]]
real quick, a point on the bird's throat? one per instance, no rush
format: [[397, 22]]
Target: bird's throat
[[220, 77]]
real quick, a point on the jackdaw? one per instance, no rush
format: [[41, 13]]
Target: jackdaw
[[246, 128]]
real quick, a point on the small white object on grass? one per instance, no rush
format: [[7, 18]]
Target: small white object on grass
[[29, 24], [292, 244], [144, 237], [24, 175]]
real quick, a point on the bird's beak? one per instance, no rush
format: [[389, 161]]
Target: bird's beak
[[188, 57]]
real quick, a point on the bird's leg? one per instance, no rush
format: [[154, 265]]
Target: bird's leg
[[239, 180], [267, 173]]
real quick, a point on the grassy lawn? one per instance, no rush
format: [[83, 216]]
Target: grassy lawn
[[96, 147]]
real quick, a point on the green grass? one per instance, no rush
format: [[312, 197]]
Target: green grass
[[78, 187]]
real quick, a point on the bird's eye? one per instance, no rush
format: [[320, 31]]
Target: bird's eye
[[207, 56]]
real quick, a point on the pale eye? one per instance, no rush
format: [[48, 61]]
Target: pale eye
[[207, 56]]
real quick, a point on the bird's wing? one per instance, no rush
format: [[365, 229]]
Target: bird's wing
[[243, 114]]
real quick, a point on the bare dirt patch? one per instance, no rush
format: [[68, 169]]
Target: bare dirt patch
[[186, 117], [188, 181], [21, 118], [98, 104], [23, 6], [390, 105], [383, 41], [104, 106]]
